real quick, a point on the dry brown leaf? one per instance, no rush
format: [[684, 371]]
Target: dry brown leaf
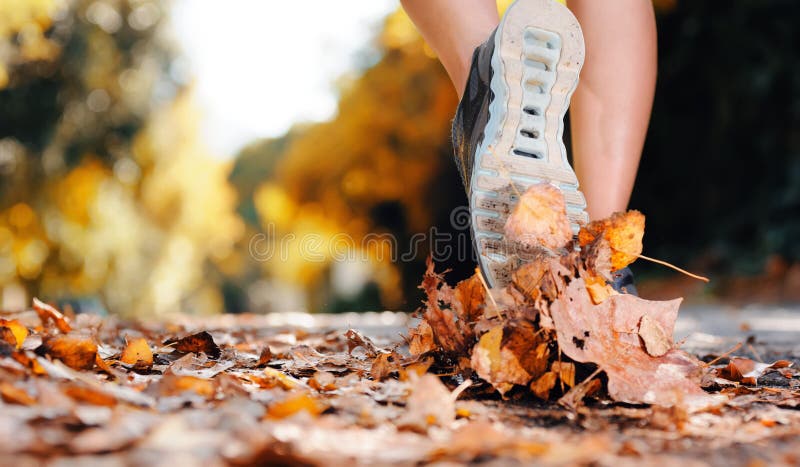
[[565, 372], [598, 289], [656, 340], [302, 401], [323, 381], [470, 295], [103, 366], [48, 314], [273, 378], [196, 343], [540, 219], [748, 371], [17, 329], [509, 355], [88, 395], [174, 385], [137, 353], [15, 395], [619, 238], [8, 339], [448, 332], [265, 357], [417, 368], [430, 403], [355, 340], [542, 386], [606, 335], [77, 351], [420, 339], [384, 364]]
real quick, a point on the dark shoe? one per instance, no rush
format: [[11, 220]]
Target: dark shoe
[[508, 128], [623, 282]]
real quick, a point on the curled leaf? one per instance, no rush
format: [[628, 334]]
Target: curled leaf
[[48, 314], [196, 343]]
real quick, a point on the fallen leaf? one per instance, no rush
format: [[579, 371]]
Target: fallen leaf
[[89, 395], [48, 314], [599, 290], [565, 372], [539, 219], [17, 329], [323, 381], [606, 335], [299, 402], [510, 354], [76, 350], [430, 403], [384, 364], [470, 295], [542, 386], [420, 339], [748, 371], [265, 357], [196, 343], [174, 385], [15, 395], [655, 338], [448, 332], [137, 353], [273, 378], [355, 340]]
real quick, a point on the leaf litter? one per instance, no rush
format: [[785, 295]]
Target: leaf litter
[[556, 368]]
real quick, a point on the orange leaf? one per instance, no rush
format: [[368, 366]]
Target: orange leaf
[[137, 353], [49, 314], [295, 404], [19, 331], [15, 395], [621, 234], [173, 385], [540, 219], [90, 395], [77, 351]]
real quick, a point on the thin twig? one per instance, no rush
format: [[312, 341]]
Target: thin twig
[[461, 387], [489, 294], [734, 349], [755, 353], [672, 266]]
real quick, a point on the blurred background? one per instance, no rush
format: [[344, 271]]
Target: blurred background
[[149, 150]]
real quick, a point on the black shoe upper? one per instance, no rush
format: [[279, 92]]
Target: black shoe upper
[[473, 110], [623, 282]]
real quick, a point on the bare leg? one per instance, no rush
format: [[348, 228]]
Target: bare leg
[[453, 28], [611, 106]]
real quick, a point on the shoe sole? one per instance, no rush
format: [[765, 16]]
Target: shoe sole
[[538, 56]]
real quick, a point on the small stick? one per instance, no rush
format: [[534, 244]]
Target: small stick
[[755, 353], [734, 349], [672, 266], [489, 294], [461, 387]]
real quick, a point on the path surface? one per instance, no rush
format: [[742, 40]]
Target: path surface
[[299, 389]]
